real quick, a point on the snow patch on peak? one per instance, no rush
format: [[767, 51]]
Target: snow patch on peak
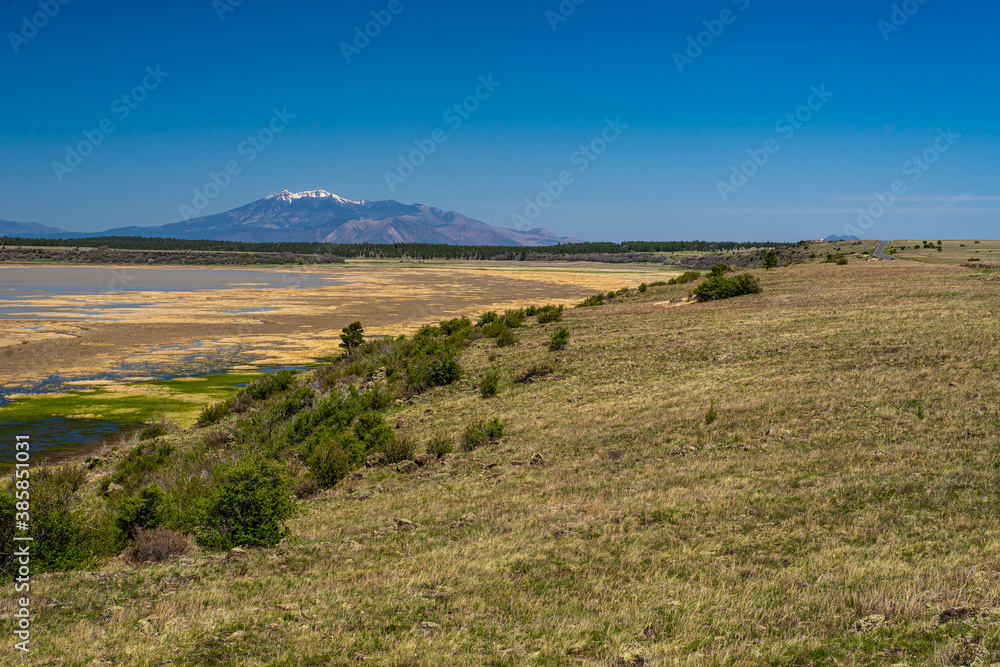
[[286, 195]]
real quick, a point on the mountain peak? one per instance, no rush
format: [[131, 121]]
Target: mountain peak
[[287, 195]]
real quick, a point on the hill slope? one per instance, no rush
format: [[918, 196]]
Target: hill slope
[[841, 508]]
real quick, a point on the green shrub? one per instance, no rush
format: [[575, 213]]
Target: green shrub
[[658, 283], [493, 329], [514, 318], [770, 260], [456, 325], [489, 386], [684, 278], [481, 432], [142, 511], [590, 301], [531, 371], [720, 269], [400, 448], [842, 261], [154, 430], [132, 471], [489, 317], [724, 287], [712, 414], [435, 370], [249, 505], [64, 536], [506, 338], [550, 314], [560, 339], [332, 456], [213, 413], [266, 386], [643, 287], [352, 336], [440, 445]]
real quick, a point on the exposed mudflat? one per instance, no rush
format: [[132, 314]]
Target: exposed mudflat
[[91, 330]]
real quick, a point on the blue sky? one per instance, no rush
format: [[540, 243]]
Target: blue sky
[[649, 144]]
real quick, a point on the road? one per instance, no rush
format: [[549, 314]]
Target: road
[[880, 248]]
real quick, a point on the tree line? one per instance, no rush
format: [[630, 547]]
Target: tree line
[[390, 250]]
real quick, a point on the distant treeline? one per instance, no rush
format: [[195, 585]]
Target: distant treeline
[[394, 250]]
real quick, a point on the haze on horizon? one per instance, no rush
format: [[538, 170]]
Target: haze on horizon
[[728, 120]]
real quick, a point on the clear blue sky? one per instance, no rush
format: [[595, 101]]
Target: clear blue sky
[[560, 81]]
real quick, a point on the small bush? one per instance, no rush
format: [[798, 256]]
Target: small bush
[[440, 445], [213, 413], [401, 448], [489, 317], [514, 318], [506, 338], [712, 414], [842, 261], [658, 283], [724, 287], [155, 546], [550, 314], [154, 430], [249, 505], [560, 339], [535, 370], [489, 386], [266, 386], [481, 432], [143, 511], [332, 458], [720, 269], [684, 278], [590, 301], [643, 287]]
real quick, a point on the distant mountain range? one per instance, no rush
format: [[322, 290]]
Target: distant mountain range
[[324, 217], [834, 237]]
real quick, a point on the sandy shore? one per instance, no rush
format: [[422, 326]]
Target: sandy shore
[[293, 325]]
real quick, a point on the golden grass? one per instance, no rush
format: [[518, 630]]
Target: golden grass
[[851, 476]]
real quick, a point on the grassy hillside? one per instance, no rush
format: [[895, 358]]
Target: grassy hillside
[[804, 476]]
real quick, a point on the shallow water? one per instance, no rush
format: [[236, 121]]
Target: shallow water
[[57, 435], [22, 287]]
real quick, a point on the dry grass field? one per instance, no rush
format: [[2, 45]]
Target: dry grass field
[[809, 476], [952, 251]]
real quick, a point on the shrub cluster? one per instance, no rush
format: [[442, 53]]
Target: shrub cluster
[[548, 314], [560, 339], [724, 287], [481, 432], [489, 386], [686, 277]]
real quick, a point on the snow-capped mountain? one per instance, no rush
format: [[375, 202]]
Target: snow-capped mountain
[[318, 215]]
